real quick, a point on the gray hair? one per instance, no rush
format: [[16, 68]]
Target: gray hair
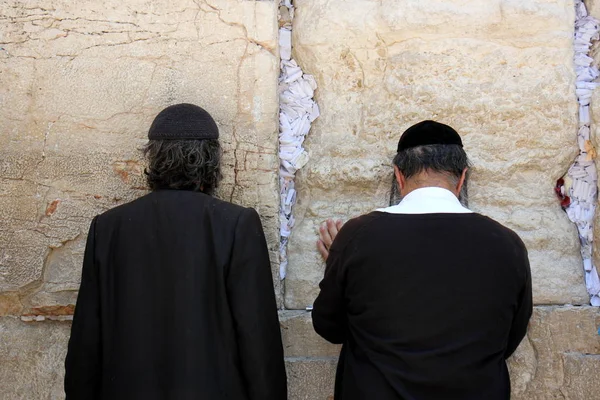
[[448, 160], [184, 164]]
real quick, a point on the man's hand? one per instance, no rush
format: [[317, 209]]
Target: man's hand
[[327, 233]]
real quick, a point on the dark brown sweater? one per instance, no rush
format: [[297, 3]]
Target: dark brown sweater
[[427, 306]]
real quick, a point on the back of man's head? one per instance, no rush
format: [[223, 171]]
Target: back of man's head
[[183, 151], [446, 160], [429, 152]]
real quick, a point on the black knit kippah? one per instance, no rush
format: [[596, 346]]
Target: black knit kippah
[[428, 132], [183, 122]]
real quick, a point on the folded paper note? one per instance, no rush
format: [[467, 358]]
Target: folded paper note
[[297, 110], [582, 175]]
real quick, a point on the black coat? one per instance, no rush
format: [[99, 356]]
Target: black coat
[[428, 307], [176, 302]]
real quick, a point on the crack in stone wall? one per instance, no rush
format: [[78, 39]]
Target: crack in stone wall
[[581, 181], [297, 112]]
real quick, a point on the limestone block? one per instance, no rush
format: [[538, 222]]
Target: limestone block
[[581, 376], [593, 7], [80, 85], [559, 355], [32, 359], [10, 304], [300, 339], [310, 378], [500, 73]]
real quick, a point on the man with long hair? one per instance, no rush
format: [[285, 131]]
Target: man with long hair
[[176, 299]]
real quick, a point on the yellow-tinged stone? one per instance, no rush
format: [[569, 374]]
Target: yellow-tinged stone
[[80, 85], [499, 72]]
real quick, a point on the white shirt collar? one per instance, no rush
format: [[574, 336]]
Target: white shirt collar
[[428, 200]]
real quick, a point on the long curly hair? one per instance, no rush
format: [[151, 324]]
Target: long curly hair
[[184, 164]]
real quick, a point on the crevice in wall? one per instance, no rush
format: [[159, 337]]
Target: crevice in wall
[[578, 189], [297, 111]]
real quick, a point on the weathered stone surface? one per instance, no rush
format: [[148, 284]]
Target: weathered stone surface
[[80, 85], [300, 339], [556, 359], [581, 376], [310, 378], [10, 304], [500, 73], [32, 359], [593, 7]]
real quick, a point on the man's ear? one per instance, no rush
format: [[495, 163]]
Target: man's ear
[[461, 181], [400, 179]]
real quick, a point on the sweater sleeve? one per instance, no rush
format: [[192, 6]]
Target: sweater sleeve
[[521, 318], [329, 315], [254, 310], [83, 364]]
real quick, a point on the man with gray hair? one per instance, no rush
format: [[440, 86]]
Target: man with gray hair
[[427, 297], [176, 297]]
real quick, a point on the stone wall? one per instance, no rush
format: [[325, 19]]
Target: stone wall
[[500, 73], [80, 83]]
